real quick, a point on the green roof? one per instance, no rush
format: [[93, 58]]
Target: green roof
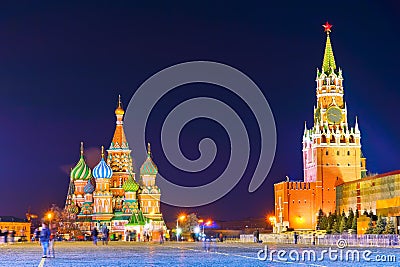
[[329, 59], [137, 218]]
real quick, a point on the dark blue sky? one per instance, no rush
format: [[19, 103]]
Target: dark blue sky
[[63, 65]]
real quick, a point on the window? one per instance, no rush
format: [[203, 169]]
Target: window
[[348, 153], [326, 153], [337, 153]]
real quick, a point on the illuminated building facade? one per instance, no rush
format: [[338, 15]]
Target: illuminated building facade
[[379, 194], [110, 194], [331, 153]]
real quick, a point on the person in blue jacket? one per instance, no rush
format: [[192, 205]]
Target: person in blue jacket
[[44, 239]]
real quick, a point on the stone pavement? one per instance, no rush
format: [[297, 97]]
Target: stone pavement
[[153, 254]]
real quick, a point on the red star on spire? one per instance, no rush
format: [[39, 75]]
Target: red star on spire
[[327, 27]]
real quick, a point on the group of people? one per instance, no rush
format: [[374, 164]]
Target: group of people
[[105, 232], [6, 233], [46, 237]]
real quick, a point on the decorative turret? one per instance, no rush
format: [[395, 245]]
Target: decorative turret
[[119, 157], [148, 167], [130, 203], [119, 138], [89, 188], [102, 170], [130, 185], [81, 171]]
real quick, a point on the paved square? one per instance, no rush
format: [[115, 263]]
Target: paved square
[[169, 254]]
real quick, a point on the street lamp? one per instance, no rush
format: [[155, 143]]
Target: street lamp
[[178, 230], [272, 220]]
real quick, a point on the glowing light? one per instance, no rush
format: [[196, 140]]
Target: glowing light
[[178, 231], [197, 230], [49, 215]]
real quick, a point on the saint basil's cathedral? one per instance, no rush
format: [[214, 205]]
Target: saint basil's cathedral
[[110, 194]]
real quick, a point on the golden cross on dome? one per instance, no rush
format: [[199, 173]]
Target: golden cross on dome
[[102, 152], [327, 27]]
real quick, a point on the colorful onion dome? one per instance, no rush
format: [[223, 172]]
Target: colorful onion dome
[[81, 171], [102, 170], [148, 167], [130, 185], [119, 110], [73, 209], [89, 188]]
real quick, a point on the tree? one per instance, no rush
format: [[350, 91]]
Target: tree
[[350, 219], [343, 224], [380, 226], [366, 213], [390, 229], [189, 223], [354, 223], [336, 225], [370, 228], [357, 215], [319, 218]]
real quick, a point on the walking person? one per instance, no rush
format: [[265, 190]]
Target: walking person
[[52, 239], [161, 236], [12, 236], [95, 233], [104, 231], [5, 235], [44, 239]]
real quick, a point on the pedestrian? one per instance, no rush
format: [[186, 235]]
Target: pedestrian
[[37, 234], [53, 232], [95, 233], [12, 235], [44, 239], [104, 231], [161, 236], [5, 235]]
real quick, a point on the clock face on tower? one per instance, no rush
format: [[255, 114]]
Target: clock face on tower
[[334, 115]]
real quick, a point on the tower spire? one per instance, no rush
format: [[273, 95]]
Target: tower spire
[[81, 149], [329, 60], [148, 150], [102, 152]]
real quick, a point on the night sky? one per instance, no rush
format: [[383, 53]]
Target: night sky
[[62, 67]]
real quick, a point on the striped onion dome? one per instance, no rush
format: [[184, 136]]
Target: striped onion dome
[[130, 185], [81, 171], [89, 188], [148, 167], [102, 170]]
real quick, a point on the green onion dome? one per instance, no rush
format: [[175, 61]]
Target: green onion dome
[[81, 171], [130, 185], [148, 167]]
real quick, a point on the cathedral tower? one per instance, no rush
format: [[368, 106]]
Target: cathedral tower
[[119, 159], [149, 197]]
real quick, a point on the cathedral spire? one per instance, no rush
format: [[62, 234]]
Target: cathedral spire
[[119, 139], [328, 63]]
